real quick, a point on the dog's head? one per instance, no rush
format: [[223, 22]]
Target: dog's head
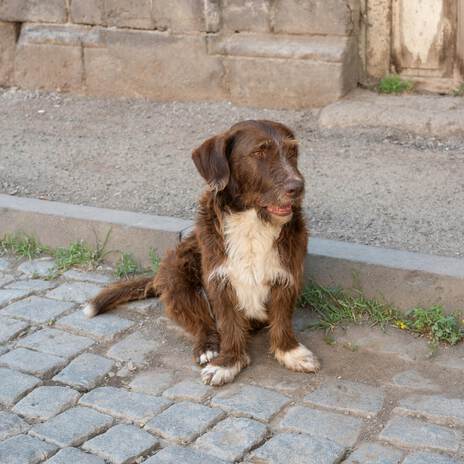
[[254, 165]]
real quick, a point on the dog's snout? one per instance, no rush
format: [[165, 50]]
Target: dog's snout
[[294, 187]]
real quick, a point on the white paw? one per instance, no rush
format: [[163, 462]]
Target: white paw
[[90, 311], [206, 357], [299, 359], [220, 375]]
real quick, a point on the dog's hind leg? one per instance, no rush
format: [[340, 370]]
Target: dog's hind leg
[[179, 284]]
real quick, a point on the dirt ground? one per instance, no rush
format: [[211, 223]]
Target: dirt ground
[[378, 186]]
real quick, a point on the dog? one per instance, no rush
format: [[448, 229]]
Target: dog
[[242, 267]]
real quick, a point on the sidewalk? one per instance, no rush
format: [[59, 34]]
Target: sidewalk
[[122, 388], [375, 186]]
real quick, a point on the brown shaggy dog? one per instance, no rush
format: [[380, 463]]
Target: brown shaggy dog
[[243, 264]]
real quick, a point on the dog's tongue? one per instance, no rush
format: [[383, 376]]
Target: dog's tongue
[[280, 210]]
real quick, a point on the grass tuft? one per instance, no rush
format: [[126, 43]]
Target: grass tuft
[[23, 245], [394, 84], [337, 308], [126, 266], [459, 92]]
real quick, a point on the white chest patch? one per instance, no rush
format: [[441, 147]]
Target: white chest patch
[[252, 263]]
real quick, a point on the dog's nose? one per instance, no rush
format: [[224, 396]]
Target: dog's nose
[[294, 187]]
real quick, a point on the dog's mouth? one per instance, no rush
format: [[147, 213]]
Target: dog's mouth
[[284, 210]]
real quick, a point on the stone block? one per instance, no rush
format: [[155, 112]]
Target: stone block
[[250, 401], [9, 328], [24, 449], [374, 453], [414, 380], [429, 458], [85, 371], [11, 424], [88, 12], [178, 454], [344, 430], [246, 16], [153, 64], [136, 347], [192, 390], [186, 16], [78, 292], [343, 395], [72, 427], [313, 17], [37, 309], [121, 444], [32, 362], [34, 285], [49, 11], [183, 422], [95, 277], [291, 448], [56, 342], [416, 434], [103, 327], [129, 406], [232, 438], [131, 14], [8, 32], [40, 267], [46, 402], [74, 455], [8, 296], [152, 382], [438, 409], [5, 264], [15, 385]]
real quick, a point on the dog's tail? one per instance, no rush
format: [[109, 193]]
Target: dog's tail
[[119, 293]]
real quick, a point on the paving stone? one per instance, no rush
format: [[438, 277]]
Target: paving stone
[[152, 382], [7, 296], [413, 380], [416, 434], [11, 424], [37, 309], [148, 306], [4, 264], [103, 327], [373, 453], [121, 444], [121, 403], [57, 342], [33, 285], [343, 395], [290, 448], [3, 349], [6, 279], [177, 455], [344, 430], [85, 371], [188, 390], [74, 456], [251, 401], [429, 458], [232, 438], [32, 362], [184, 421], [72, 427], [41, 267], [24, 449], [80, 292], [436, 408], [15, 385], [46, 402], [135, 347], [9, 328], [95, 277]]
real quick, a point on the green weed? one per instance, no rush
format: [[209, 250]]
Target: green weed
[[394, 84], [155, 260], [126, 266], [459, 92], [22, 245]]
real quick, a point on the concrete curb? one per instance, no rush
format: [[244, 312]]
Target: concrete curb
[[402, 278]]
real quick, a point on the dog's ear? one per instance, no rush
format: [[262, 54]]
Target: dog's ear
[[210, 159]]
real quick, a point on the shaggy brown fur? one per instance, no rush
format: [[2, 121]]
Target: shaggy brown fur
[[253, 178]]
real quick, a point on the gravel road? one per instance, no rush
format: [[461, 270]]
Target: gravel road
[[378, 186]]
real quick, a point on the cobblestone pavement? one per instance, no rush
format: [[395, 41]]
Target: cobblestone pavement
[[122, 388]]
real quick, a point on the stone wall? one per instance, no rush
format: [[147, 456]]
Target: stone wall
[[273, 53]]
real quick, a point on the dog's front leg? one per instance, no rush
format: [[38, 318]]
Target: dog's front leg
[[233, 328], [291, 354]]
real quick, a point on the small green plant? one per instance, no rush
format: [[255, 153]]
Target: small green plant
[[336, 307], [394, 84], [22, 245], [155, 260], [459, 92], [76, 254], [126, 266]]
